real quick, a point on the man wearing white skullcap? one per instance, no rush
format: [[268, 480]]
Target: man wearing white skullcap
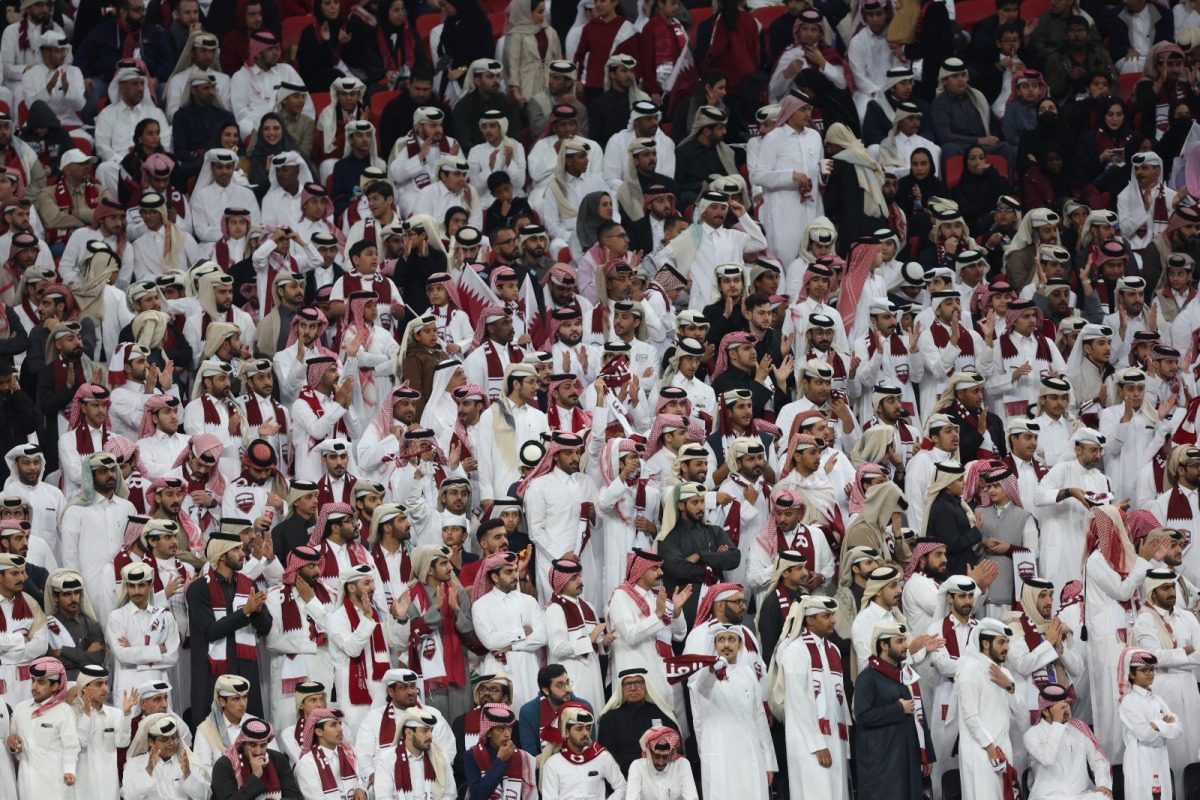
[[1131, 299], [416, 765], [984, 704], [1063, 498], [137, 618]]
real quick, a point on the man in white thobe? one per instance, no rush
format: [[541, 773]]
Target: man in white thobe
[[580, 767], [93, 528], [417, 746], [45, 737], [19, 643], [982, 708], [1064, 497], [789, 170], [379, 731], [1062, 749], [509, 623], [161, 767]]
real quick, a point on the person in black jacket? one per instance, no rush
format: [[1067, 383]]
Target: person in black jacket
[[982, 431], [253, 770], [949, 519], [636, 711], [738, 367], [609, 112], [17, 414], [297, 526]]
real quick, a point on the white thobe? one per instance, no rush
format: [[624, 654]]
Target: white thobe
[[1060, 756], [369, 750], [543, 158], [785, 213], [564, 780], [49, 750], [1109, 627], [146, 255], [101, 733], [552, 508], [77, 252], [91, 553], [308, 429], [637, 637], [435, 200], [869, 57], [760, 565], [1136, 220], [864, 624], [917, 479], [1053, 439], [252, 93], [65, 103], [562, 228], [1064, 523], [1176, 679], [730, 718], [675, 782], [71, 461], [982, 712], [808, 700], [500, 619], [115, 125], [481, 165], [193, 421], [1127, 441], [208, 206], [616, 157], [900, 156], [295, 655], [159, 451], [942, 362], [753, 516], [940, 675], [147, 631], [167, 782], [128, 400], [48, 503], [781, 83], [1190, 568], [717, 246], [289, 372], [16, 652], [617, 509], [574, 650], [346, 644], [1146, 748], [309, 777], [281, 207]]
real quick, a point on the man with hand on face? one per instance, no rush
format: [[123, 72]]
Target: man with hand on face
[[1063, 750], [495, 766], [984, 703], [248, 768]]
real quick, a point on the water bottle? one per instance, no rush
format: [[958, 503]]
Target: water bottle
[[918, 206], [1156, 788]]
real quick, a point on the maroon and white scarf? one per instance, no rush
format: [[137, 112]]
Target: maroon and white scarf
[[828, 683], [905, 675], [360, 692], [577, 613], [896, 356], [966, 346], [1015, 399], [313, 401], [403, 775], [244, 637], [347, 769], [379, 558], [520, 769]]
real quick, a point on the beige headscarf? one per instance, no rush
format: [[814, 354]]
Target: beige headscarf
[[870, 174], [944, 474], [89, 293], [150, 328], [872, 447], [523, 62], [711, 115]]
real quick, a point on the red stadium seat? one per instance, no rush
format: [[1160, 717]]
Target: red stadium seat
[[1031, 9], [698, 16], [767, 15], [968, 13], [320, 100], [955, 166], [379, 100], [1129, 84], [292, 28], [498, 20]]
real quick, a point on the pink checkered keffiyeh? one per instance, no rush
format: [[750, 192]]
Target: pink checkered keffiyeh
[[263, 733], [133, 531], [156, 403], [50, 667], [920, 549], [662, 421], [553, 448], [206, 444], [704, 610], [125, 449], [309, 315], [783, 497], [308, 738], [857, 495], [862, 259], [973, 480], [483, 582], [1141, 522], [88, 391], [296, 560], [319, 531], [485, 313], [729, 341], [562, 273], [451, 285]]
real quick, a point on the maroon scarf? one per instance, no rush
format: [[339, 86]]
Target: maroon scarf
[[360, 694], [452, 647], [346, 767], [914, 689], [403, 775]]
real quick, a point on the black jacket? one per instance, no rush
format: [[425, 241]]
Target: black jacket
[[225, 787], [970, 439], [18, 418], [948, 523]]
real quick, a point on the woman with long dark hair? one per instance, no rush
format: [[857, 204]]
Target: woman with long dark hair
[[977, 190], [915, 191], [147, 140], [711, 91], [271, 139]]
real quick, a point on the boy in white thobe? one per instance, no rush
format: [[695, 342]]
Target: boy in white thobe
[[102, 731], [1148, 725], [143, 636], [44, 737], [18, 615], [579, 768], [416, 767]]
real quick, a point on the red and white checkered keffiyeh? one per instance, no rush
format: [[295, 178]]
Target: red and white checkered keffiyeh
[[355, 321], [88, 391], [481, 324], [195, 537], [315, 369], [562, 570], [769, 533], [156, 403], [296, 560], [661, 733], [662, 421], [704, 610], [308, 738], [1106, 533], [920, 549], [857, 495], [51, 667], [319, 530], [564, 274], [553, 448], [483, 582], [499, 710], [263, 733], [973, 480], [133, 531], [1139, 523], [795, 443], [1061, 693], [1130, 657], [385, 420], [206, 444], [862, 259], [124, 449], [824, 269], [1011, 487], [449, 283], [729, 341], [553, 323], [309, 315]]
